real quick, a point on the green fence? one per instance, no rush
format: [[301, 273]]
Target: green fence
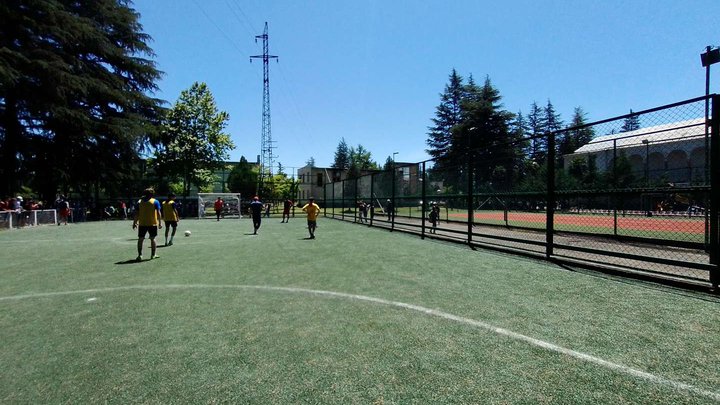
[[635, 193]]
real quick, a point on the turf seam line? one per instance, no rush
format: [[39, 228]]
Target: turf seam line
[[433, 312]]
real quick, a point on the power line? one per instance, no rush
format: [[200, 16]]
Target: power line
[[218, 27]]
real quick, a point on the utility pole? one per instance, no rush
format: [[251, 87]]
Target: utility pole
[[266, 142]]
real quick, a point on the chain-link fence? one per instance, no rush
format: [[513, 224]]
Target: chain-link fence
[[635, 192]]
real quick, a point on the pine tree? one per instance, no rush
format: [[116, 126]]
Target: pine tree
[[553, 122], [536, 126], [630, 123], [484, 136], [342, 156], [73, 88], [447, 115], [577, 135]]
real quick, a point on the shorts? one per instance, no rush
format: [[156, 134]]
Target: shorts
[[312, 222], [152, 230], [171, 223]]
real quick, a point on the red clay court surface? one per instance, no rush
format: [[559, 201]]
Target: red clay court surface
[[652, 224]]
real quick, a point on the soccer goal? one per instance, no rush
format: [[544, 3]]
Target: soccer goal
[[231, 207]]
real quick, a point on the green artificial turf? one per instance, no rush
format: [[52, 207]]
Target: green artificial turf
[[224, 316]]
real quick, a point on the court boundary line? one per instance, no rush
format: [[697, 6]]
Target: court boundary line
[[428, 311]]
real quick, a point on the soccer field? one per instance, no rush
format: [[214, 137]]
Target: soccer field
[[358, 315]]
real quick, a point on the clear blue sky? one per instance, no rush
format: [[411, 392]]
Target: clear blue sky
[[372, 71]]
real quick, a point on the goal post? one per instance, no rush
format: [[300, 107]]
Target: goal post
[[231, 205]]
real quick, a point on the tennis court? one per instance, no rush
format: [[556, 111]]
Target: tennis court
[[358, 315]]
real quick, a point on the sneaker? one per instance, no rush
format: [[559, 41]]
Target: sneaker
[[170, 243], [138, 259], [156, 257]]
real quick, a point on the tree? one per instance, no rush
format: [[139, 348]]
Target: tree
[[576, 136], [193, 143], [447, 115], [630, 123], [536, 127], [342, 156], [485, 136], [553, 122], [73, 94], [243, 178], [310, 162]]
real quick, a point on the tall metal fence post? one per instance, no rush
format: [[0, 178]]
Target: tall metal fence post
[[614, 185], [325, 202], [423, 181], [333, 199], [355, 200], [372, 195], [342, 201], [471, 213], [715, 193], [393, 207], [550, 209]]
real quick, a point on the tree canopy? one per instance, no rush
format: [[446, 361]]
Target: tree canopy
[[74, 79], [192, 144]]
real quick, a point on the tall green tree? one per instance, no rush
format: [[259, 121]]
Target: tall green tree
[[243, 178], [552, 120], [360, 159], [536, 127], [448, 114], [310, 162], [342, 156], [630, 123], [484, 135], [577, 135], [74, 79], [193, 144]]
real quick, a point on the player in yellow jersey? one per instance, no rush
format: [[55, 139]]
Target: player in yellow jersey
[[171, 218], [313, 210], [147, 216]]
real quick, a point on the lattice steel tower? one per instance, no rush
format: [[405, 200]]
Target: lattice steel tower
[[266, 142]]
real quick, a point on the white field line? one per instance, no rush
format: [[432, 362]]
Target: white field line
[[440, 314]]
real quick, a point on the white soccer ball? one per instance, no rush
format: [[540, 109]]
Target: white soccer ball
[[188, 233]]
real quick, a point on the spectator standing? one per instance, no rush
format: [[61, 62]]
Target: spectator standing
[[434, 216], [390, 210]]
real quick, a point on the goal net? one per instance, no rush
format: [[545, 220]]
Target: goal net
[[230, 205]]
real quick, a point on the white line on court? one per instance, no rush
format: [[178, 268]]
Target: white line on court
[[500, 331]]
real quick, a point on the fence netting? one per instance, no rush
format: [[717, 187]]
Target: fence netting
[[634, 192]]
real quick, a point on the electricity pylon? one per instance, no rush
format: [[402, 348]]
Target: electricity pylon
[[266, 142]]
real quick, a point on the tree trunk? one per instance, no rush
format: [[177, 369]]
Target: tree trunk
[[9, 168]]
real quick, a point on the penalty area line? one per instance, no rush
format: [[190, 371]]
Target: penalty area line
[[428, 311]]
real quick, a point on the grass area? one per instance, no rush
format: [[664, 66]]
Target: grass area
[[358, 315]]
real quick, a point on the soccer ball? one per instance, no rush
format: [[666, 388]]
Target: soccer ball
[[188, 233]]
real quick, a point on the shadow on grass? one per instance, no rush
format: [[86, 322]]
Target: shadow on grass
[[133, 261]]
